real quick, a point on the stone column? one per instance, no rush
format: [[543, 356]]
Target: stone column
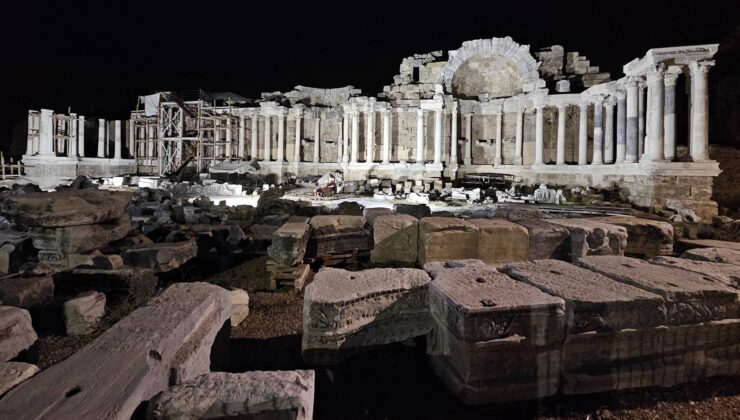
[[254, 148], [46, 132], [281, 137], [317, 138], [117, 140], [518, 156], [498, 157], [669, 116], [641, 119], [227, 147], [468, 158], [621, 126], [633, 131], [216, 139], [609, 130], [583, 133], [29, 139], [345, 139], [355, 136], [132, 138], [81, 136], [297, 147], [268, 136], [560, 148], [453, 134], [369, 135], [386, 136], [101, 137], [73, 137], [539, 141], [598, 150], [438, 135], [654, 145], [340, 149], [242, 136], [699, 110], [419, 136]]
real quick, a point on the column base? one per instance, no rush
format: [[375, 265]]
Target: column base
[[518, 161], [467, 162], [497, 161]]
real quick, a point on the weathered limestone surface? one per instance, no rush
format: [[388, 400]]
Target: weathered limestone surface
[[709, 243], [720, 255], [66, 208], [259, 395], [14, 373], [447, 238], [161, 257], [82, 313], [689, 297], [728, 274], [344, 311], [591, 237], [593, 302], [114, 283], [644, 236], [138, 357], [26, 292], [501, 242], [18, 333], [546, 240], [395, 238], [80, 238], [239, 306], [338, 234], [289, 242]]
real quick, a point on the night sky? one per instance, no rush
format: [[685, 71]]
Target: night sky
[[97, 58]]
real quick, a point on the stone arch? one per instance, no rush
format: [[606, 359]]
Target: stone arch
[[501, 53]]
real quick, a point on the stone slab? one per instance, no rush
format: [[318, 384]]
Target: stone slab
[[81, 238], [239, 306], [687, 244], [18, 333], [447, 238], [593, 301], [720, 255], [259, 395], [289, 242], [395, 239], [26, 292], [161, 257], [158, 345], [689, 297], [501, 242], [645, 237], [546, 240], [14, 373], [345, 311], [338, 234], [728, 274], [591, 237]]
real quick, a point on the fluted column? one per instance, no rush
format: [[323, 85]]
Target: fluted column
[[117, 140], [317, 138], [654, 144], [370, 135], [468, 158], [345, 138], [699, 110], [254, 149], [340, 148], [669, 116], [598, 150], [609, 130], [633, 131], [438, 136], [560, 147], [242, 136], [297, 146], [539, 141], [386, 135], [641, 119], [621, 126], [583, 133], [518, 156], [268, 137], [499, 155], [281, 137], [355, 136], [453, 134], [73, 140], [101, 136], [81, 136], [46, 132], [419, 135], [227, 147]]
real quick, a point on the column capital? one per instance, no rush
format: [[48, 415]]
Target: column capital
[[419, 112], [670, 79], [696, 67], [599, 99], [656, 72], [539, 103], [454, 106], [631, 81], [610, 101], [583, 105]]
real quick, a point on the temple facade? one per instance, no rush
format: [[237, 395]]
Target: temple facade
[[489, 106]]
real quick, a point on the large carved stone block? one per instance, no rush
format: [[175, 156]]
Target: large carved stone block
[[501, 242], [161, 257], [338, 235], [728, 274], [345, 312], [546, 240], [644, 236], [591, 237], [593, 302], [289, 241], [447, 238], [80, 238], [395, 238]]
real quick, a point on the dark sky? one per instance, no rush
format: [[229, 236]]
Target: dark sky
[[96, 58]]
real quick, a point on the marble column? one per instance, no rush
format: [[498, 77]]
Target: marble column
[[131, 138], [498, 157], [699, 110], [117, 140], [46, 132], [227, 146], [242, 136], [654, 143], [633, 131], [73, 137], [101, 137], [641, 119], [419, 136], [81, 136], [29, 139], [583, 133], [539, 140], [355, 136], [297, 146], [518, 156], [150, 144], [609, 130], [386, 136], [340, 149], [621, 126], [281, 137], [216, 139], [254, 147], [598, 150], [370, 136], [438, 136], [560, 148], [345, 138], [669, 116], [268, 136], [453, 134], [468, 158], [317, 138]]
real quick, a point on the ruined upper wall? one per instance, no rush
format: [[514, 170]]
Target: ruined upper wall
[[313, 96]]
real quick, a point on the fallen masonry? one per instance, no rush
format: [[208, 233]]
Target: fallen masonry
[[161, 257], [395, 238], [446, 238], [289, 241], [721, 255], [590, 237], [728, 274], [18, 333], [646, 237], [14, 373], [501, 242]]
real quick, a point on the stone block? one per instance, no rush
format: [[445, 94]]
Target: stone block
[[80, 238], [591, 237], [720, 255], [15, 250], [727, 274], [689, 297], [255, 395], [370, 213], [645, 237], [416, 210], [501, 242], [161, 257], [14, 373], [338, 235], [546, 240], [345, 312], [27, 292], [158, 345], [447, 238], [239, 306], [107, 262], [116, 284], [593, 302], [395, 238], [289, 241], [18, 333], [82, 314]]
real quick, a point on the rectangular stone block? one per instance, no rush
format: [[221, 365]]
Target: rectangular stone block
[[80, 238], [447, 238], [289, 241], [714, 254], [546, 240], [728, 274], [645, 237], [26, 292], [501, 242], [593, 302], [338, 235], [590, 237], [689, 297], [395, 238]]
